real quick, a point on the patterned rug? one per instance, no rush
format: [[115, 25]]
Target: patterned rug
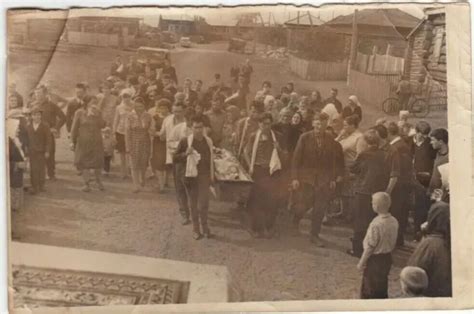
[[40, 287]]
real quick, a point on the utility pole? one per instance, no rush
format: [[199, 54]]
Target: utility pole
[[354, 44]]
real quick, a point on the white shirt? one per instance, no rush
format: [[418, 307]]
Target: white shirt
[[177, 133], [332, 112], [382, 234]]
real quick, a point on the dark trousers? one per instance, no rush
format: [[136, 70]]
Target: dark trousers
[[400, 207], [375, 277], [422, 206], [262, 201], [181, 196], [51, 161], [363, 215], [404, 99], [197, 191], [107, 161], [37, 170], [322, 197]]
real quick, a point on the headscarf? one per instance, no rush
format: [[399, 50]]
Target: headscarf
[[354, 99], [438, 220]]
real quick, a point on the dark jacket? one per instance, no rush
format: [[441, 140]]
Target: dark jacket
[[335, 102], [171, 71], [72, 106], [406, 174], [317, 166], [39, 140], [53, 116], [371, 171]]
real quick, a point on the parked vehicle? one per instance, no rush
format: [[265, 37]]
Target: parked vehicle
[[152, 56], [237, 44], [185, 42]]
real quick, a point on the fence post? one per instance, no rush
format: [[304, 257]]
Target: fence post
[[354, 42]]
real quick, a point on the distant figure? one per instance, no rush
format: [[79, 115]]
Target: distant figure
[[39, 143], [353, 108], [404, 92], [170, 70], [118, 68], [333, 100], [379, 243]]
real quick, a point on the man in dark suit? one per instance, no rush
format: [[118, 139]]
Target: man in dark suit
[[400, 183], [39, 143], [371, 176], [318, 164], [53, 116], [80, 101]]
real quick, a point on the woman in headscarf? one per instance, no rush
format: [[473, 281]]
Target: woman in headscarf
[[353, 108], [230, 128], [433, 254], [86, 136], [139, 128]]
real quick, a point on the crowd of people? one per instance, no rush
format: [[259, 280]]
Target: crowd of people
[[305, 154]]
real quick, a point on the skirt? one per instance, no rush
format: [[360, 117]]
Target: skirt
[[120, 143]]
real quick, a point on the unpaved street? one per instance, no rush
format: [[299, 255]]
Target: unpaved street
[[148, 223]]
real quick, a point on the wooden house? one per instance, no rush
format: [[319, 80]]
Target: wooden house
[[426, 55]]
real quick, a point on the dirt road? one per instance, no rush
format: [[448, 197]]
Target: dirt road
[[147, 224]]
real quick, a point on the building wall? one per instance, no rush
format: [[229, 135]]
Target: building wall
[[426, 61]]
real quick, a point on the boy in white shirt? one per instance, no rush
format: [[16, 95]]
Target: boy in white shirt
[[379, 242]]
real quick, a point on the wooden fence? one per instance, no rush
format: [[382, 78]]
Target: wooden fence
[[379, 64], [373, 89], [318, 70]]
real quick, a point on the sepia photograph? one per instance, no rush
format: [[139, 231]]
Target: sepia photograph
[[185, 155]]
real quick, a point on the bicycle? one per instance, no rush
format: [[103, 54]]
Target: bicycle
[[418, 106]]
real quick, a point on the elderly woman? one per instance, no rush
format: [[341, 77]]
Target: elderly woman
[[433, 254], [349, 138], [353, 108], [139, 128], [86, 136]]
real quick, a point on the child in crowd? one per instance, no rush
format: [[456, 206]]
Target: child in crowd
[[108, 141], [39, 143], [414, 282], [379, 242]]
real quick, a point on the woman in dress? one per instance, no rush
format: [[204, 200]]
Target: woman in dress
[[121, 113], [353, 108], [349, 138], [86, 136], [433, 254], [107, 103], [158, 156], [139, 128]]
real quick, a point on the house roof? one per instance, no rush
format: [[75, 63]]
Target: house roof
[[177, 17], [378, 17], [429, 12], [306, 19], [250, 20]]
